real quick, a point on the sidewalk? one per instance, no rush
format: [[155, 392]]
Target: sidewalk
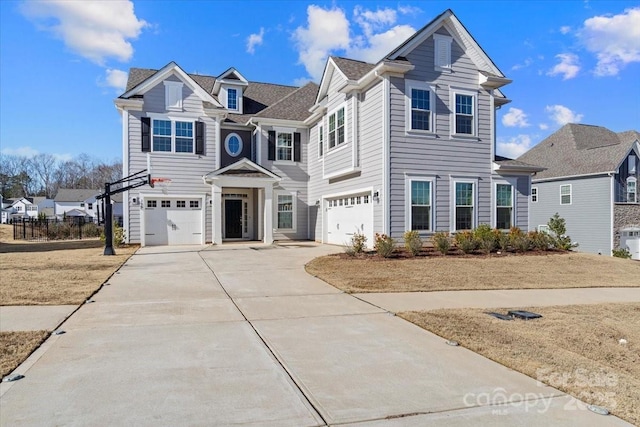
[[245, 336], [33, 317]]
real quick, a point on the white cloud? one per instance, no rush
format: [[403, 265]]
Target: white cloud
[[568, 67], [565, 29], [514, 147], [614, 39], [562, 115], [543, 126], [409, 10], [116, 79], [515, 117], [29, 152], [381, 44], [326, 31], [525, 64], [255, 40], [301, 81], [96, 30]]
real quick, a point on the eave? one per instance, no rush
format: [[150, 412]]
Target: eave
[[493, 82], [132, 104], [257, 121], [378, 71]]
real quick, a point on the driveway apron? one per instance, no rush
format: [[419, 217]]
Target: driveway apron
[[240, 334]]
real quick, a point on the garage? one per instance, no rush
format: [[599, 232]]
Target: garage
[[173, 221], [630, 240], [347, 215]]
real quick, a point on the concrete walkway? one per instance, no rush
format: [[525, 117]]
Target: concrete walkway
[[242, 335], [33, 317]]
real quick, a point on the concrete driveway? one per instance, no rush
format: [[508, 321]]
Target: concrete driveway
[[241, 335]]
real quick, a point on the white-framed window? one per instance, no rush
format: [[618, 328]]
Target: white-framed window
[[565, 194], [419, 211], [285, 211], [165, 203], [464, 199], [420, 106], [173, 95], [534, 194], [82, 204], [463, 105], [284, 146], [232, 99], [181, 203], [631, 164], [442, 52], [233, 144], [90, 206], [504, 206], [152, 204], [194, 204], [543, 228], [320, 140], [632, 190], [172, 136], [336, 128]]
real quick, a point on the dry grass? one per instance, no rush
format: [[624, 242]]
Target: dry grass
[[573, 348], [16, 347], [438, 273], [53, 273]]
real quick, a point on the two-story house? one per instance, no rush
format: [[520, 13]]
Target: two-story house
[[76, 203], [591, 180], [407, 143]]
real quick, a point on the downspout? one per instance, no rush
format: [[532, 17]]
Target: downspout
[[612, 212], [386, 167]]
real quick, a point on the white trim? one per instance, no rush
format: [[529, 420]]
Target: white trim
[[341, 172], [173, 135], [218, 174], [562, 178], [386, 138], [494, 202], [294, 210], [203, 213], [226, 144], [570, 194], [290, 132], [125, 172], [408, 183], [537, 194], [612, 199], [474, 218], [321, 138], [409, 85], [442, 41], [354, 129], [453, 91], [173, 95], [342, 106], [635, 192]]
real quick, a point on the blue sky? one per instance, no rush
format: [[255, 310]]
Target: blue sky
[[63, 62]]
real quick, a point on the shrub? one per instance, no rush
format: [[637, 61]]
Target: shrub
[[91, 229], [465, 241], [519, 240], [357, 245], [384, 245], [118, 235], [502, 239], [441, 242], [621, 253], [558, 227], [540, 240], [412, 242], [485, 238]]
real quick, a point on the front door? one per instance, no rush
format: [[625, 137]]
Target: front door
[[233, 219]]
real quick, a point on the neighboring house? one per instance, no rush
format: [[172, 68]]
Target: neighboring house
[[591, 180], [5, 210], [77, 200], [23, 208], [405, 143], [116, 209]]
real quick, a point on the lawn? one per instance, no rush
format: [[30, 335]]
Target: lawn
[[53, 273], [573, 348], [48, 273], [447, 273]]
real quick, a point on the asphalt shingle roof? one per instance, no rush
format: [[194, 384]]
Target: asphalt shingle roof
[[577, 149], [75, 195], [351, 68], [257, 97], [294, 106]]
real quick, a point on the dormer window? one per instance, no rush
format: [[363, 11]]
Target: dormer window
[[442, 52], [232, 99], [632, 190], [173, 95], [632, 164]]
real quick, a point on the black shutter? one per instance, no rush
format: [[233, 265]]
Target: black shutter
[[146, 133], [296, 147], [199, 137], [272, 145]]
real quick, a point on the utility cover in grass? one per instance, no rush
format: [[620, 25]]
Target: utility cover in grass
[[499, 315], [525, 315]]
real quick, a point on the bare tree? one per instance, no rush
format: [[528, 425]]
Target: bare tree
[[44, 165]]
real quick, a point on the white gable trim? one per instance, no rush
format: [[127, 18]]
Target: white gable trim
[[451, 23], [326, 78], [635, 148], [238, 165], [171, 69]]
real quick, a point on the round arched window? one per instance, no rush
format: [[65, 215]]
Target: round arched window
[[233, 144]]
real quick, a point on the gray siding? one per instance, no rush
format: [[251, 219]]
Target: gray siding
[[369, 138], [339, 158], [588, 217], [440, 155], [185, 170]]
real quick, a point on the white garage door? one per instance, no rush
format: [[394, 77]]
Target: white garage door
[[349, 215], [173, 222]]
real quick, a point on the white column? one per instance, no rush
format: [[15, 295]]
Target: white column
[[216, 214], [260, 213], [268, 214]]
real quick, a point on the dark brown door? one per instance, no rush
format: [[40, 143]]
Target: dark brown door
[[233, 219]]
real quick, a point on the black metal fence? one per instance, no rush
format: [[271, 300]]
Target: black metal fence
[[53, 229]]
